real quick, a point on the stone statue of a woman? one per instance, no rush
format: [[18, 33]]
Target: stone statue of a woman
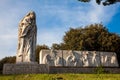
[[27, 38]]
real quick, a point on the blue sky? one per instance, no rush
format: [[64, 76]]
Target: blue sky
[[54, 18]]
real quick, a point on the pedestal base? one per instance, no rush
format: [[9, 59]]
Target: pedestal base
[[25, 68]]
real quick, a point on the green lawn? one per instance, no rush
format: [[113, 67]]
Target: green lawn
[[61, 77]]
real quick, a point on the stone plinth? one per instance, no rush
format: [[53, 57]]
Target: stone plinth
[[89, 70], [78, 58], [25, 68]]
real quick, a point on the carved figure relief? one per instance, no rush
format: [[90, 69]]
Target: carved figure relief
[[113, 59], [53, 59], [59, 61], [80, 58], [95, 59], [70, 60], [85, 59], [48, 60]]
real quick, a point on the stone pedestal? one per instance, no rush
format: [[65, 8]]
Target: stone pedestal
[[25, 68]]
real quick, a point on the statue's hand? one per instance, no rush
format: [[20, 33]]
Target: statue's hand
[[22, 35]]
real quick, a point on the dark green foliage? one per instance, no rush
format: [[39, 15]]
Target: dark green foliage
[[38, 48], [56, 46], [98, 1], [109, 2], [104, 2], [6, 60], [100, 70], [84, 0], [60, 46], [92, 37]]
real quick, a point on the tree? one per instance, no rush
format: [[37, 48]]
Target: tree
[[106, 2], [92, 37], [38, 48], [60, 46], [56, 46]]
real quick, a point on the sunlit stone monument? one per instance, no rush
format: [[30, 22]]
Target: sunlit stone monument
[[25, 58], [73, 60], [27, 32], [78, 58]]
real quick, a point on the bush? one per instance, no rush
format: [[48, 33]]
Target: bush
[[101, 70]]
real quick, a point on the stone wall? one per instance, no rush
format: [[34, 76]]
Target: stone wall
[[25, 68], [78, 58], [55, 70], [44, 68]]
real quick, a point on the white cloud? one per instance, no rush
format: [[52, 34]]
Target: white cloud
[[99, 13]]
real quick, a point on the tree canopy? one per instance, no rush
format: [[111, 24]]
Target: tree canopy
[[92, 37]]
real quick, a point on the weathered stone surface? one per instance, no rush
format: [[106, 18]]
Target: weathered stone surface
[[27, 39], [56, 70], [25, 68], [78, 58], [108, 59], [44, 68], [52, 58]]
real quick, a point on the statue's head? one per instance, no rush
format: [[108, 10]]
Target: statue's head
[[31, 14]]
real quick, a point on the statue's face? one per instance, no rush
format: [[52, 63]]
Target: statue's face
[[32, 15]]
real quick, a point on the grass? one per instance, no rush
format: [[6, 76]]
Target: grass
[[61, 77]]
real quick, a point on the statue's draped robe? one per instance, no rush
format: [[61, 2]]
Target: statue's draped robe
[[27, 39]]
